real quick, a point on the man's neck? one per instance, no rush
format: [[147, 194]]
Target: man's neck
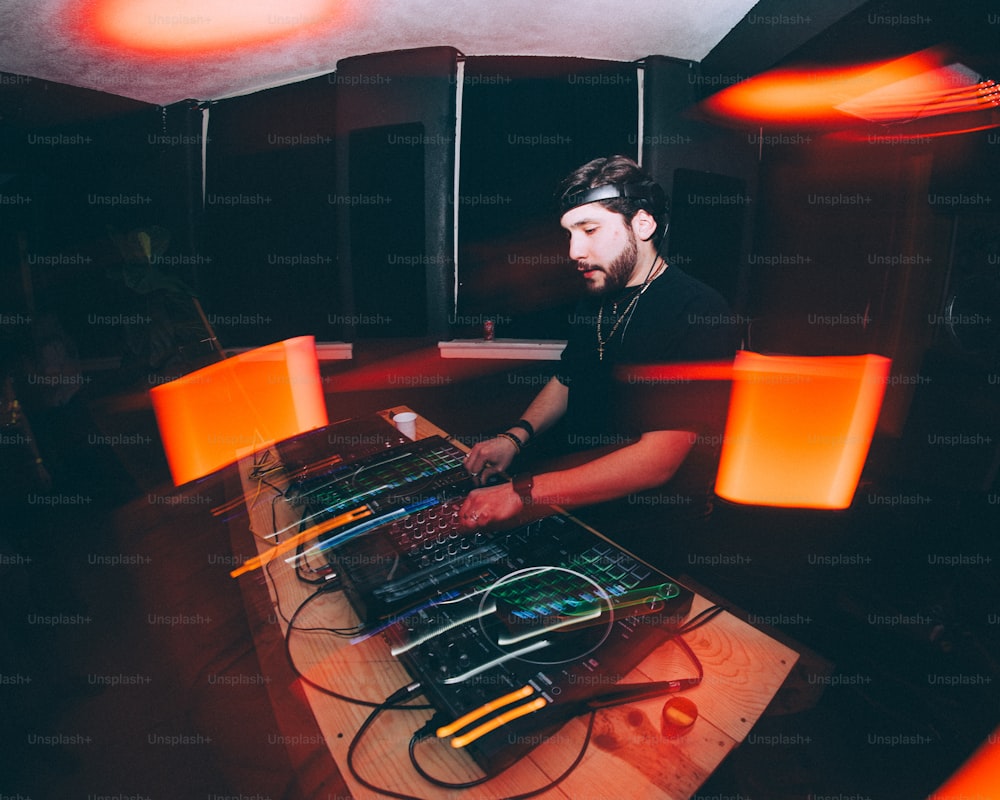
[[648, 265]]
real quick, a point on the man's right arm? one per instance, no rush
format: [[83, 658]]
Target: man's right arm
[[548, 406], [495, 455]]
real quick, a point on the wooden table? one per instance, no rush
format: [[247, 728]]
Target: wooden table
[[627, 756]]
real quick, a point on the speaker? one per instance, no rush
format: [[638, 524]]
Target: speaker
[[396, 136], [387, 210]]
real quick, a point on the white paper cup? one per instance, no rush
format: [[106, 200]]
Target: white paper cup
[[406, 423]]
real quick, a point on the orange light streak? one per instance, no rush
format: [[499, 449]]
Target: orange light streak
[[922, 84], [977, 777], [186, 27]]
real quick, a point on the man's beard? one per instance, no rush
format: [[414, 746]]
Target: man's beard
[[618, 272]]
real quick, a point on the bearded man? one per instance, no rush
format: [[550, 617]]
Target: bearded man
[[637, 310]]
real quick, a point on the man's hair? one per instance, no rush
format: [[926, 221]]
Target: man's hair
[[621, 172]]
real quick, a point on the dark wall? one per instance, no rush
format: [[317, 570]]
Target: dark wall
[[73, 188], [710, 173], [269, 269], [859, 248], [526, 123]]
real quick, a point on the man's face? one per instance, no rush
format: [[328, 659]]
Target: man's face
[[603, 246]]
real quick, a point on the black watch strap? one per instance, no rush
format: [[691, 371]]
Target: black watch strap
[[525, 426]]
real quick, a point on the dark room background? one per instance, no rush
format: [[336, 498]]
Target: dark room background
[[338, 207]]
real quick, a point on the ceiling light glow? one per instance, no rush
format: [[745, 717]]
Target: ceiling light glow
[[184, 27]]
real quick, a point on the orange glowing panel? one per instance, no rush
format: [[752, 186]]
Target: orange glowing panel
[[193, 26], [799, 428], [222, 412], [927, 83], [977, 777]]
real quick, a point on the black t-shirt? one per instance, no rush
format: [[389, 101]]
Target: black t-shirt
[[677, 319]]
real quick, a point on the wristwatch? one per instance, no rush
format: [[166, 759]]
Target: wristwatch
[[523, 483]]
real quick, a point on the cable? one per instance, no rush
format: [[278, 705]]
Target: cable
[[416, 738], [325, 586], [699, 619], [336, 631], [392, 702], [302, 563], [378, 708]]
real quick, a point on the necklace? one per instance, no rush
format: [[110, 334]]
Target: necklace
[[626, 315]]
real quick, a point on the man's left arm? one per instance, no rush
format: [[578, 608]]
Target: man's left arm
[[649, 462]]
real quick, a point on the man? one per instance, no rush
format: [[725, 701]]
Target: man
[[638, 310]]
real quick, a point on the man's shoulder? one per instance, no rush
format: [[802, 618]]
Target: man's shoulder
[[698, 314], [686, 292]]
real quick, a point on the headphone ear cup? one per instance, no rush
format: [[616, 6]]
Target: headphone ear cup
[[657, 199]]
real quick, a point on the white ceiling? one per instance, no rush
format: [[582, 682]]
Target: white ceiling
[[53, 40]]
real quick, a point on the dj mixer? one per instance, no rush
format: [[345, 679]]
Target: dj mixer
[[549, 610]]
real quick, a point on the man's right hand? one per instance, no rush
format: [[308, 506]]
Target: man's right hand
[[489, 458]]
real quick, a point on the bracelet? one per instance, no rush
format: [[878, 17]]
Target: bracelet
[[512, 439], [526, 426]]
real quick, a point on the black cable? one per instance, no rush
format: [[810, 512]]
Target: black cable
[[337, 631], [353, 746], [416, 738], [325, 586], [302, 565], [323, 582], [393, 702], [699, 619]]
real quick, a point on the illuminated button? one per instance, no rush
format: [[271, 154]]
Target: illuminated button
[[678, 716]]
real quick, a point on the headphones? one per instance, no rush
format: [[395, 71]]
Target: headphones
[[647, 194]]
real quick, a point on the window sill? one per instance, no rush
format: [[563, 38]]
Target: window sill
[[517, 349]]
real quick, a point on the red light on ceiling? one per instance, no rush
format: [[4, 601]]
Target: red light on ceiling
[[924, 84], [183, 27]]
